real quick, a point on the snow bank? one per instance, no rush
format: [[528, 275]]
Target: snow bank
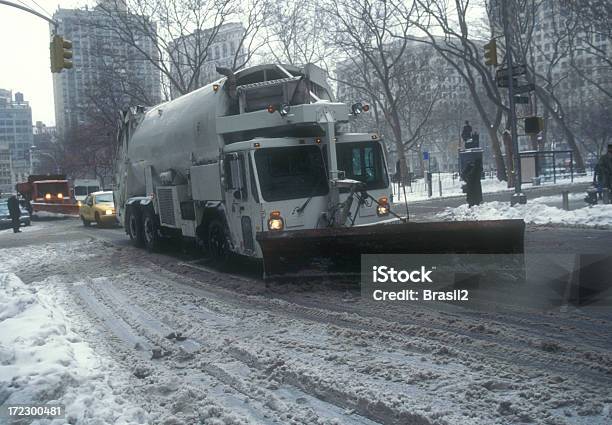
[[599, 216], [43, 361]]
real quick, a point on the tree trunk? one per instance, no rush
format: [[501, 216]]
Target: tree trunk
[[399, 149], [497, 153], [558, 115], [571, 141], [509, 148]]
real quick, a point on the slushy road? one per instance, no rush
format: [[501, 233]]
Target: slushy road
[[311, 352]]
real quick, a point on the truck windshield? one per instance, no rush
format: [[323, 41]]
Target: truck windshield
[[85, 190], [291, 172], [52, 188], [363, 161]]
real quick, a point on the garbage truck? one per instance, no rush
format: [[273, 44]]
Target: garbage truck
[[259, 164]]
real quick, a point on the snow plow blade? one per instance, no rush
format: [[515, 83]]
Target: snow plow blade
[[336, 251], [55, 208]]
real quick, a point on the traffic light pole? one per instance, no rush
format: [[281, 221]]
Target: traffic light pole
[[518, 196], [33, 12]]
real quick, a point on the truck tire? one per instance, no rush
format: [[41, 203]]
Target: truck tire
[[217, 245], [150, 228], [86, 223], [135, 228]]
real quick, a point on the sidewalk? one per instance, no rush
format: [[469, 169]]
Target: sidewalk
[[424, 210]]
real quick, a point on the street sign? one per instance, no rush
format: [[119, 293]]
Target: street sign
[[517, 70], [534, 125], [525, 89], [425, 156], [503, 82], [521, 100]]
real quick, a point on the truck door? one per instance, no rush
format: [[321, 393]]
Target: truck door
[[241, 202], [87, 208]]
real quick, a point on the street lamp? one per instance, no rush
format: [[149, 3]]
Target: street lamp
[[57, 168]]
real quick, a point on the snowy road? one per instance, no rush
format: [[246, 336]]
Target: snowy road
[[166, 339]]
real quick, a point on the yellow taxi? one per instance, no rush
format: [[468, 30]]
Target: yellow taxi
[[98, 207]]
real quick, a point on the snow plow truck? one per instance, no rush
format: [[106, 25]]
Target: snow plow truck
[[48, 193], [257, 164]]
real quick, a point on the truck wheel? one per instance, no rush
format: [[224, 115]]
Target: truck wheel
[[86, 223], [135, 229], [152, 240], [218, 247]]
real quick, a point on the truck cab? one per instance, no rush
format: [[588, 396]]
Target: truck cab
[[282, 184], [84, 187]]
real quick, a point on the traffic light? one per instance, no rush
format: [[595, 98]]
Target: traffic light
[[490, 53], [60, 51], [534, 125]]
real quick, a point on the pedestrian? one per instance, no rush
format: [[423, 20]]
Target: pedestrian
[[466, 133], [473, 187], [14, 212], [604, 171]]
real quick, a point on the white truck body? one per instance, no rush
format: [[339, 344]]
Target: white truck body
[[219, 153], [83, 187]]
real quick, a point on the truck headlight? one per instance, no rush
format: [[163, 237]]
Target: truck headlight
[[60, 196], [275, 222], [383, 206], [109, 212], [79, 203], [48, 196]]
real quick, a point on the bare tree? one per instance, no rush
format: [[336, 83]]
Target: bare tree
[[371, 38], [176, 36], [590, 25], [87, 151], [255, 19], [544, 60], [448, 30], [296, 32]]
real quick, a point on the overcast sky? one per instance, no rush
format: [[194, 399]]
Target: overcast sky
[[25, 43]]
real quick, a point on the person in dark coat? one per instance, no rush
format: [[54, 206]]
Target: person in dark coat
[[466, 133], [14, 212], [604, 172]]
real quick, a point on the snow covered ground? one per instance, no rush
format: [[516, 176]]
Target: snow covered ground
[[43, 360], [534, 212], [452, 187], [124, 336]]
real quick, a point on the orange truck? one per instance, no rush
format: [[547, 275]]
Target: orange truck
[[48, 193]]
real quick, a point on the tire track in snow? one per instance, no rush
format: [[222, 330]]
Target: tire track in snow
[[319, 386], [507, 349], [155, 330]]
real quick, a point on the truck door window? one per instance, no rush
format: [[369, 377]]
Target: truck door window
[[252, 179], [363, 161], [235, 175]]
